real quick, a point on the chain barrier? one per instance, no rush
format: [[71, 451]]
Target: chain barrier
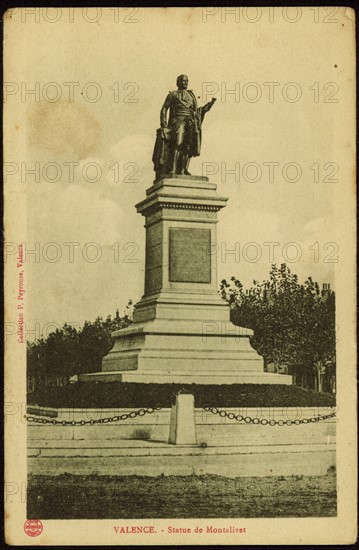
[[125, 416], [151, 410], [92, 421], [264, 421]]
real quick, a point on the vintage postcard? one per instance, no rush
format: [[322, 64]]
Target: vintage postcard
[[180, 298]]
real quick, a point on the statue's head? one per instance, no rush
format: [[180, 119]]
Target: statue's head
[[182, 82]]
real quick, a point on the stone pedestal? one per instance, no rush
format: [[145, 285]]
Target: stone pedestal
[[181, 331]]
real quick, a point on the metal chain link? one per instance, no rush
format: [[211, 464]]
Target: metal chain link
[[264, 421], [92, 421]]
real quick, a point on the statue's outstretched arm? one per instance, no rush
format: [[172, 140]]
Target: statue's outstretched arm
[[209, 105]]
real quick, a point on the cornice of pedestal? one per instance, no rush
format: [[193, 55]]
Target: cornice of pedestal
[[182, 193], [184, 182]]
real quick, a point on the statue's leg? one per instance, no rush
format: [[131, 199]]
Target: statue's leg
[[177, 145], [186, 165], [187, 146], [175, 161], [181, 162]]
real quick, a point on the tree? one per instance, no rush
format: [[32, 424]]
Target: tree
[[68, 351], [293, 324]]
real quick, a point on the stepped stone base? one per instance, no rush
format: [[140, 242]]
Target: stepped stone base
[[162, 377], [184, 351]]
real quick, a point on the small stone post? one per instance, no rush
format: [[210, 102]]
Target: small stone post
[[182, 425]]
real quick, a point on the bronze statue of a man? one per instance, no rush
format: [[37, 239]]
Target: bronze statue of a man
[[179, 139]]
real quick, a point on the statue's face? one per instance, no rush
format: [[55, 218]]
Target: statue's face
[[182, 82]]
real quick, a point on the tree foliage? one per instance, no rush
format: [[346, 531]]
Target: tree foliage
[[69, 351], [293, 324]]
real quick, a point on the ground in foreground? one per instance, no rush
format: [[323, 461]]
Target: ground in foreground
[[209, 496]]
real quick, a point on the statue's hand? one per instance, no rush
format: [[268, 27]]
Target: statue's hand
[[210, 104]]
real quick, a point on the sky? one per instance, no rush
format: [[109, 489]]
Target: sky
[[281, 130]]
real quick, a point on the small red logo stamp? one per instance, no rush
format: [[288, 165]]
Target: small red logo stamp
[[33, 527]]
